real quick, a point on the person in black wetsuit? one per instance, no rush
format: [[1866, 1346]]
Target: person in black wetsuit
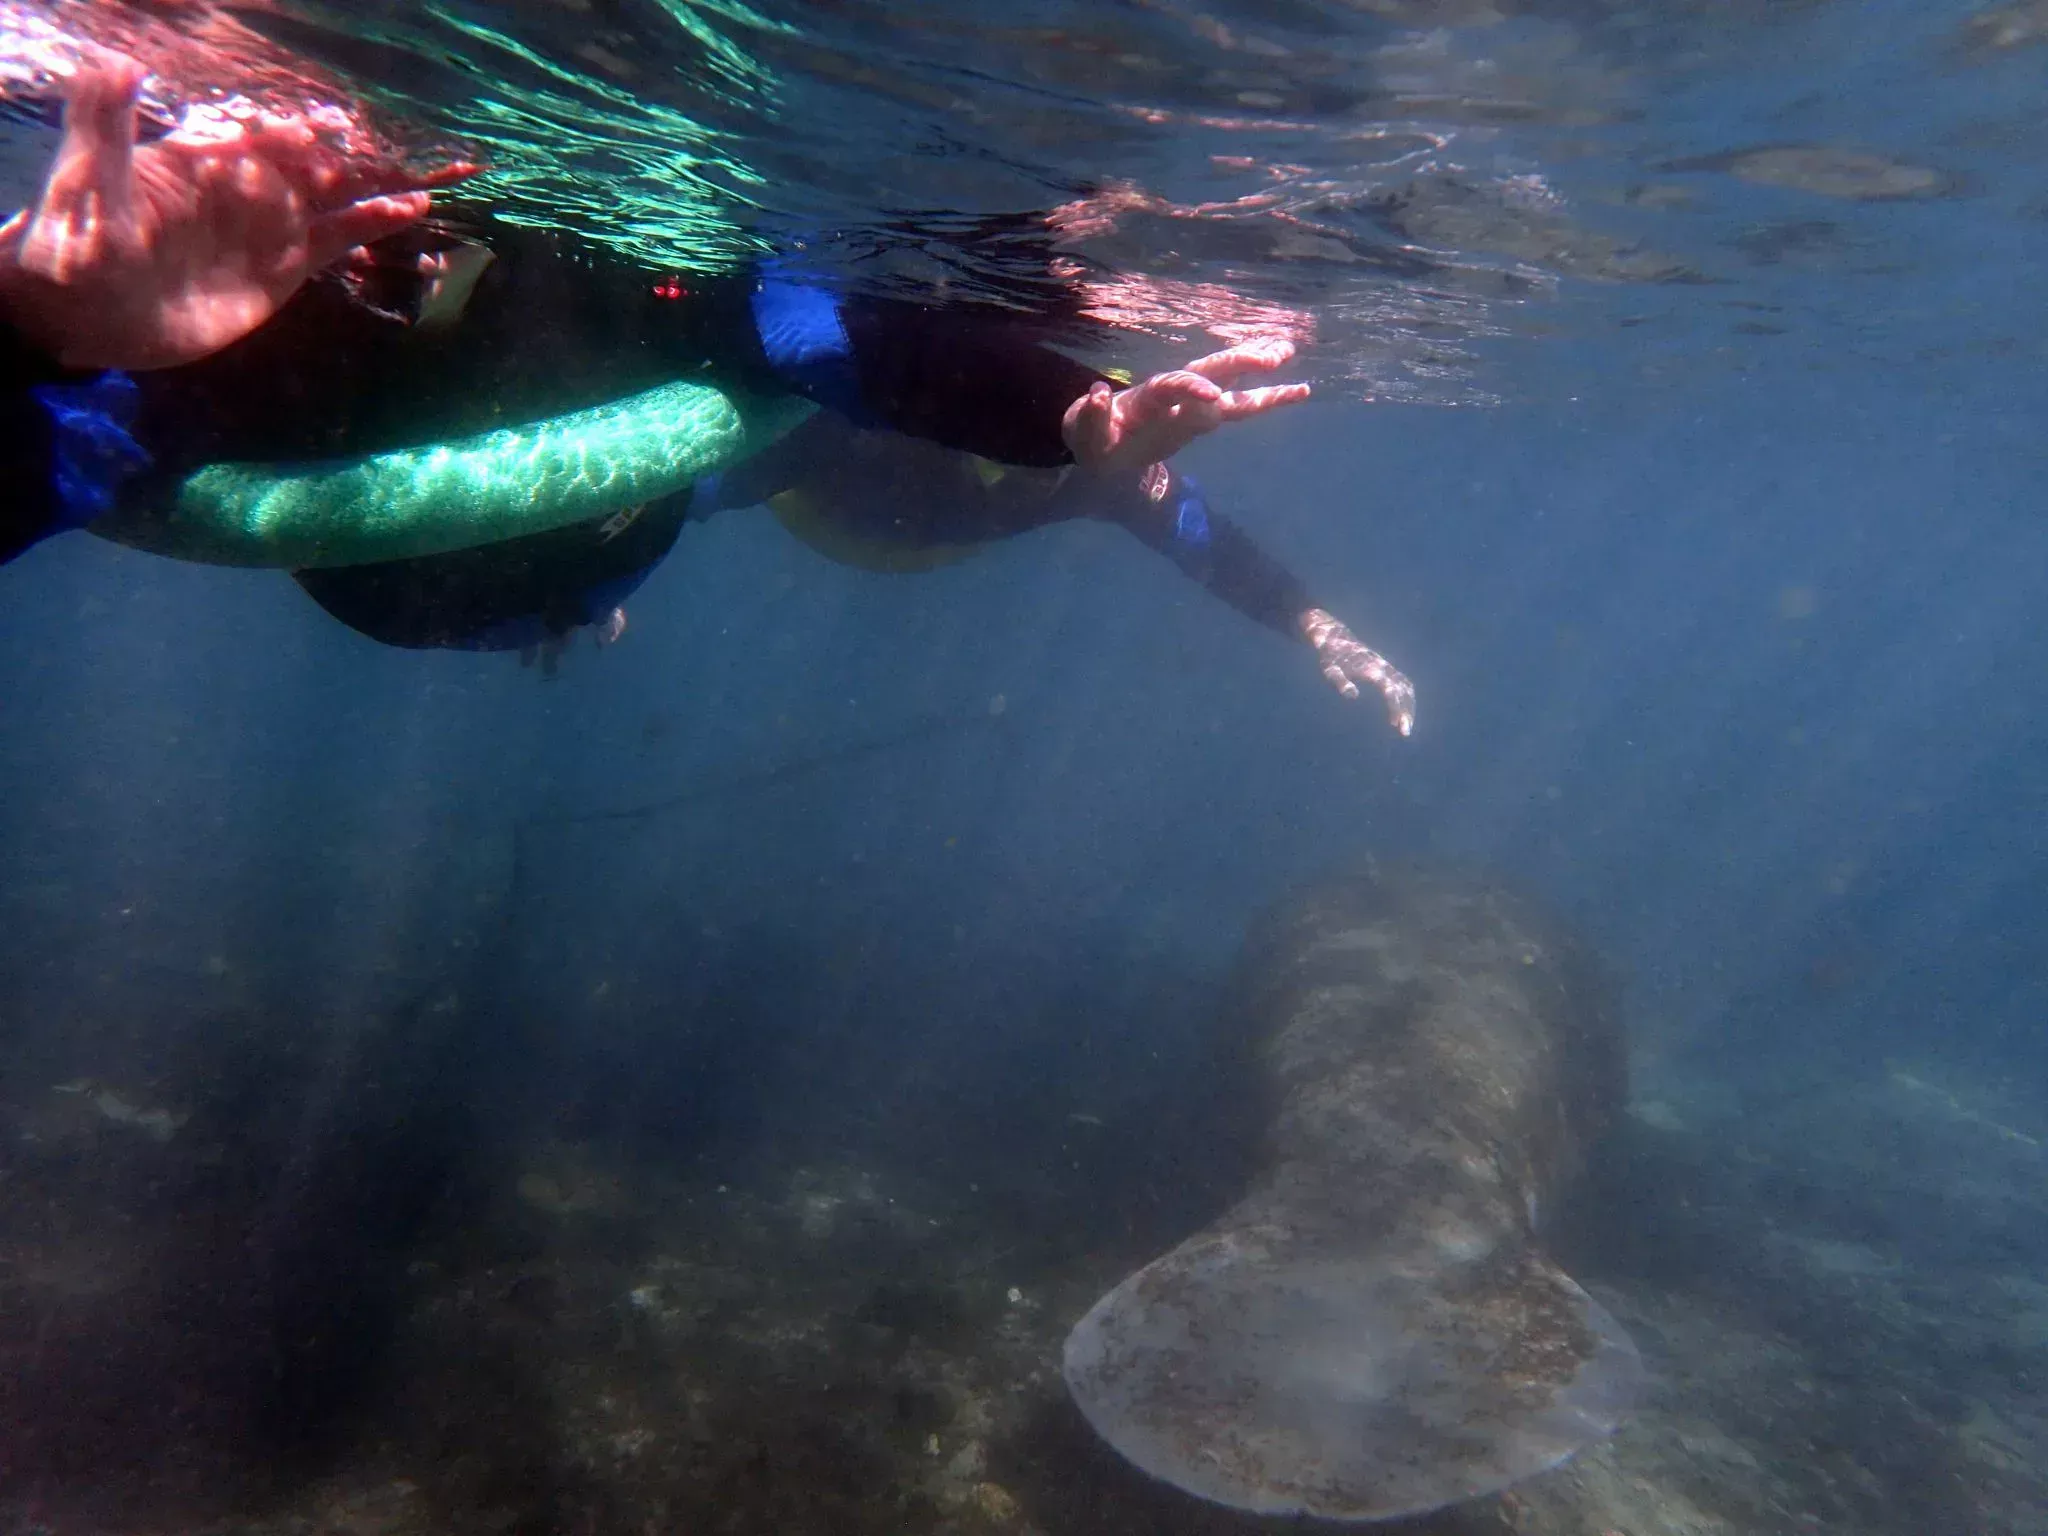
[[943, 429], [425, 336]]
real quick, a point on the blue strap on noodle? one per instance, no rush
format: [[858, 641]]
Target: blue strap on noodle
[[95, 453]]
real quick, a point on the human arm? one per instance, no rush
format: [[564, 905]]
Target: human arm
[[961, 380], [1167, 511]]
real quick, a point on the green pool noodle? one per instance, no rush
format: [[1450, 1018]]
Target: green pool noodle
[[442, 497]]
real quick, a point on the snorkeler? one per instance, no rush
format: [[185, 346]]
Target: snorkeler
[[149, 256], [938, 438], [943, 429], [434, 334]]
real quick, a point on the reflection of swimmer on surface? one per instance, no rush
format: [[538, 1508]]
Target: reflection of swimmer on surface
[[418, 342]]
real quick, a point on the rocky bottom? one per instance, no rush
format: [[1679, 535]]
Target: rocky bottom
[[1840, 1298]]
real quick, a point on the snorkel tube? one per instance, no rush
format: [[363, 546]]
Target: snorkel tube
[[443, 497]]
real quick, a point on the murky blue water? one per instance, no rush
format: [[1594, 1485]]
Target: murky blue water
[[631, 1101]]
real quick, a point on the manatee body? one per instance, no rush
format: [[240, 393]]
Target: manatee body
[[1374, 1330]]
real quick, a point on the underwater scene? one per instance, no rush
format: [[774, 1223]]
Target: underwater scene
[[823, 768]]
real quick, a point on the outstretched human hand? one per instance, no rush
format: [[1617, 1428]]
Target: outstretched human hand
[[1346, 663], [1127, 429], [149, 256]]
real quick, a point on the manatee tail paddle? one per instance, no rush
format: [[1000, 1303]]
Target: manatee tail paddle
[[1249, 1369]]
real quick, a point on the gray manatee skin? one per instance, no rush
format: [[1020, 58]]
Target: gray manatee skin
[[1374, 1331]]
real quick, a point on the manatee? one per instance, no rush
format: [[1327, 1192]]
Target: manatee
[[1375, 1330]]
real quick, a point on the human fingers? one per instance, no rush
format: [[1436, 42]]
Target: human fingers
[[1345, 663], [1166, 417], [1238, 404], [331, 175], [1167, 412], [1400, 695], [1366, 665], [1248, 357], [1335, 676], [88, 193], [448, 175], [1088, 428], [323, 152], [330, 180], [1168, 393], [99, 120], [352, 180], [333, 235], [1182, 404]]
